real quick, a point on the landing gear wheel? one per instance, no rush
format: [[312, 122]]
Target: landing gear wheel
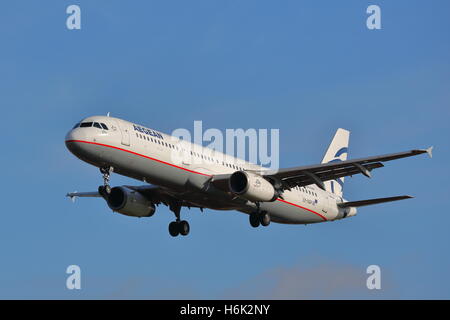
[[179, 226], [183, 228], [265, 219], [173, 229], [254, 219], [104, 191]]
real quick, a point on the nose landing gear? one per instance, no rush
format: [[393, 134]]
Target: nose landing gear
[[105, 189]]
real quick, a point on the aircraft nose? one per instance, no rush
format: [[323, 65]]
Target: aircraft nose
[[74, 135], [73, 140]]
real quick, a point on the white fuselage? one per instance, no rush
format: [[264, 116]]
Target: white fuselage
[[185, 169]]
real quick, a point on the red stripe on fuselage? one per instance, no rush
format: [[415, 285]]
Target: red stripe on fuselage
[[178, 167], [296, 205], [138, 154]]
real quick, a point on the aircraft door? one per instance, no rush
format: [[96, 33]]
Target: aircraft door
[[125, 132], [331, 207], [186, 157], [326, 205]]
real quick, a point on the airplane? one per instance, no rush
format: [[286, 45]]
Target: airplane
[[204, 178]]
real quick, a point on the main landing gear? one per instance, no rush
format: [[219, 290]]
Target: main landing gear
[[259, 217], [178, 226], [105, 189]]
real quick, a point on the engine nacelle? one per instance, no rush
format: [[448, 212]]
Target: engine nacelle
[[130, 203], [252, 187]]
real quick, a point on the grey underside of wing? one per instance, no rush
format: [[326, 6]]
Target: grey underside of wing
[[306, 175], [368, 202], [154, 193], [160, 195], [93, 194]]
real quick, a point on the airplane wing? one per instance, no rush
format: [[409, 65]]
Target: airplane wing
[[74, 195], [159, 195], [155, 194], [317, 174]]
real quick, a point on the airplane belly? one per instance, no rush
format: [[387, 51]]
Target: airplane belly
[[287, 212], [147, 169]]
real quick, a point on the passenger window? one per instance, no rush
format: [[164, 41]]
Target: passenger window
[[86, 125]]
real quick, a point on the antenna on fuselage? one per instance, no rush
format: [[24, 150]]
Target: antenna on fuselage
[[107, 114]]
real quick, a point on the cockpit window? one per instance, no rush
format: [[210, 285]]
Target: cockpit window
[[76, 126], [91, 124]]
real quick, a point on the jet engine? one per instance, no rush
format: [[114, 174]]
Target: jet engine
[[130, 202], [252, 187]]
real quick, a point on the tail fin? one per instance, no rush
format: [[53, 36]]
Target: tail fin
[[337, 151]]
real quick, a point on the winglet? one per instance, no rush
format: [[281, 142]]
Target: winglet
[[430, 151], [72, 196]]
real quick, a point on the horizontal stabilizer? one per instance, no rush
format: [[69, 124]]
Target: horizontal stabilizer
[[371, 201]]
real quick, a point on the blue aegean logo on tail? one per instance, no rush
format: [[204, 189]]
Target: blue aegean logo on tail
[[336, 159]]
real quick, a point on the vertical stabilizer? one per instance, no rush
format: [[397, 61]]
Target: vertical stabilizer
[[337, 151]]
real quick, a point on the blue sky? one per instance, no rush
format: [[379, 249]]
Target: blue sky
[[305, 68]]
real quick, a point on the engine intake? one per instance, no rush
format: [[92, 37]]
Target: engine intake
[[130, 203], [252, 187]]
